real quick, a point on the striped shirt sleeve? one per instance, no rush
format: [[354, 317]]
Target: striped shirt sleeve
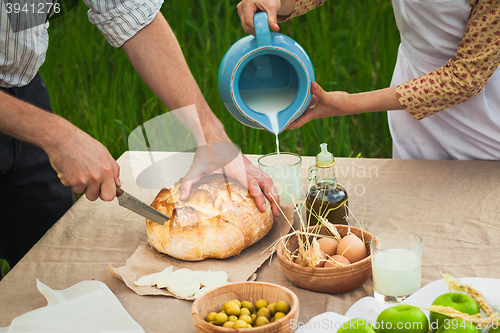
[[120, 20]]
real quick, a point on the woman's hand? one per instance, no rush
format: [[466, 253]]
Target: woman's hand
[[340, 103], [273, 8], [323, 104], [248, 8]]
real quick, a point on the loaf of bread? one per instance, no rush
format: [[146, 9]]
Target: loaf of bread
[[219, 220]]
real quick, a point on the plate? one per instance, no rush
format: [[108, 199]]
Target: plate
[[369, 308]]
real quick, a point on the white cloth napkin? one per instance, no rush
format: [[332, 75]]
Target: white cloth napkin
[[369, 308], [86, 307]]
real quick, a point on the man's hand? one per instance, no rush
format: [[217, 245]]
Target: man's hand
[[86, 165], [225, 157]]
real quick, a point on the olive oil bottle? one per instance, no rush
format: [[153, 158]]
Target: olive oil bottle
[[326, 198]]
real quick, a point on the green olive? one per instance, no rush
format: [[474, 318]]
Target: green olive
[[248, 305], [264, 312], [261, 304], [244, 311], [210, 316], [254, 317], [237, 302], [231, 308], [228, 324], [279, 315], [282, 306], [232, 318], [261, 321], [240, 324], [220, 319], [272, 307], [246, 318]]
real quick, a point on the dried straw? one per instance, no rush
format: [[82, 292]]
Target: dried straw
[[478, 319], [310, 241]]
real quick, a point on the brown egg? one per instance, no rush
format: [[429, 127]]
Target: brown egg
[[337, 261], [308, 254], [329, 245], [352, 248]]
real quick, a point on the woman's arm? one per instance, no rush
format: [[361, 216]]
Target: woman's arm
[[460, 79], [463, 77], [339, 103]]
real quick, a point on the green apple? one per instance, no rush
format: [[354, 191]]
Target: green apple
[[461, 302], [495, 328], [402, 318], [356, 325], [452, 325]]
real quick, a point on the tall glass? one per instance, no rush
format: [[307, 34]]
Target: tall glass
[[285, 171], [396, 264]]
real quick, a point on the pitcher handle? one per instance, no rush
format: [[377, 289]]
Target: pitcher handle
[[262, 31]]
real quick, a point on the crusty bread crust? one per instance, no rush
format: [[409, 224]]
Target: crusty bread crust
[[219, 220]]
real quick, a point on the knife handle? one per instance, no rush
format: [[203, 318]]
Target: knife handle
[[119, 191]]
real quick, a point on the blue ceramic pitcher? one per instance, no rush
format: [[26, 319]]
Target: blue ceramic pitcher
[[257, 70]]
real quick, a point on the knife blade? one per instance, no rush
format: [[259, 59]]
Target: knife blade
[[139, 207]]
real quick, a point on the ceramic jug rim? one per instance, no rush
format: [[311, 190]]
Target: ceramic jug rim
[[243, 109]]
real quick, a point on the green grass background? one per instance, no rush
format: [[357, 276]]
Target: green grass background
[[352, 45]]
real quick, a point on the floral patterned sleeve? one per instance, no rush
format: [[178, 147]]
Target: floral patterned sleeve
[[464, 76], [301, 7]]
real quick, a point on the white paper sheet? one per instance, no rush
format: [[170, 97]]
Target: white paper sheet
[[369, 308], [86, 307]]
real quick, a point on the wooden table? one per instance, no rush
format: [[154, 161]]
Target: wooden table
[[453, 205]]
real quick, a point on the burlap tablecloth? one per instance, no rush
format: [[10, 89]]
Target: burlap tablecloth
[[453, 205]]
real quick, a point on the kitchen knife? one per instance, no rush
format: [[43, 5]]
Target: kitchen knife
[[129, 201]]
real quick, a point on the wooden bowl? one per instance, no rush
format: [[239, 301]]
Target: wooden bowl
[[213, 301], [330, 280]]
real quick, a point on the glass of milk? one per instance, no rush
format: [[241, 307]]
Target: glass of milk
[[396, 264], [286, 172]]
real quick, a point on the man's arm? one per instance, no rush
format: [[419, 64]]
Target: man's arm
[[157, 57], [79, 160]]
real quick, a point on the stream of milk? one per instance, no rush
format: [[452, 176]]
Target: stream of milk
[[270, 102], [286, 178]]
